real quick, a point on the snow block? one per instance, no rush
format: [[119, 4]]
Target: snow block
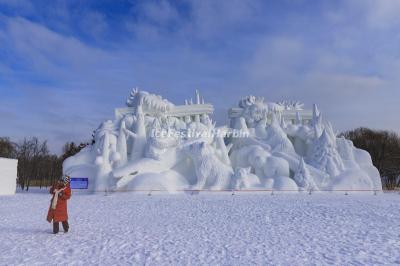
[[8, 176]]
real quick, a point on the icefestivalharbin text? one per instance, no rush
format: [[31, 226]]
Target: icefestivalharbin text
[[211, 133], [153, 144]]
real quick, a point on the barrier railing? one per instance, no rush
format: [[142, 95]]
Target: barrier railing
[[234, 191]]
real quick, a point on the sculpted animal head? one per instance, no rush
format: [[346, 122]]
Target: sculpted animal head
[[254, 108], [149, 103], [258, 157]]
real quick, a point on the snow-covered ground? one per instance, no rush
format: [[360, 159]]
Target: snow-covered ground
[[213, 229]]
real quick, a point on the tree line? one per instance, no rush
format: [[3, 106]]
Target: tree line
[[38, 167], [384, 148]]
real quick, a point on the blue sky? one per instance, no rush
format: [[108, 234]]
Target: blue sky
[[65, 65]]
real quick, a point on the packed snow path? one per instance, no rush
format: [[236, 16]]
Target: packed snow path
[[134, 229]]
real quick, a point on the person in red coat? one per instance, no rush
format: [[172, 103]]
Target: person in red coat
[[58, 212]]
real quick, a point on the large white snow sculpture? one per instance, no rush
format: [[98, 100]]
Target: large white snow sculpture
[[155, 145]]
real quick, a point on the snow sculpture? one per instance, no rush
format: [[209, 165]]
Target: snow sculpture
[[104, 165], [148, 102], [277, 138], [153, 144], [291, 105], [303, 177], [121, 143], [139, 137], [325, 156], [210, 170], [244, 179], [276, 166]]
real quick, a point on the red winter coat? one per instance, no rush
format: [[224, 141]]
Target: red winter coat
[[60, 213]]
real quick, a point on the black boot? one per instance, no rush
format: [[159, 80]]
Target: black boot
[[56, 227], [65, 226]]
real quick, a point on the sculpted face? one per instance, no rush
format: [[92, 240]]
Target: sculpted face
[[259, 161], [259, 158]]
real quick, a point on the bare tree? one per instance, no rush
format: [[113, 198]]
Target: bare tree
[[8, 149], [31, 161], [70, 149]]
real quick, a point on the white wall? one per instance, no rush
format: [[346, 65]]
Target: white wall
[[8, 176]]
